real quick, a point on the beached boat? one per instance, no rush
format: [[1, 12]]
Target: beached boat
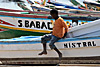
[[86, 30], [18, 23], [77, 44], [23, 6], [92, 5], [30, 46], [21, 24], [8, 4], [78, 3], [64, 5]]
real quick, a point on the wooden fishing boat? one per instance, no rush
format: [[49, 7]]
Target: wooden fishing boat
[[92, 5], [8, 4], [90, 29], [77, 3], [77, 8], [30, 46], [29, 24], [23, 23]]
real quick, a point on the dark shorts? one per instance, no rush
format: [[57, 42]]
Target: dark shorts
[[51, 38]]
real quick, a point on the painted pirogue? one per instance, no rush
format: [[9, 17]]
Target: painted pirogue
[[18, 23], [83, 39]]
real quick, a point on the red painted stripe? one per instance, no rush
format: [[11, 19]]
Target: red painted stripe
[[3, 9], [3, 22], [3, 29], [22, 15], [36, 16]]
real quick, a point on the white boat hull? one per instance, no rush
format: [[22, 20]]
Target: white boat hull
[[71, 47], [86, 30]]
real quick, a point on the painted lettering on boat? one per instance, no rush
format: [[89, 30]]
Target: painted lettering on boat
[[39, 24], [35, 24], [79, 44]]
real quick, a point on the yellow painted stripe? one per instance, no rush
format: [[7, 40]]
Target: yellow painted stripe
[[32, 30]]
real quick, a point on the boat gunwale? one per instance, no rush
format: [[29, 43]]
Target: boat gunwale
[[22, 15]]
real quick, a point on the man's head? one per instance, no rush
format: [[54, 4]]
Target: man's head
[[54, 13]]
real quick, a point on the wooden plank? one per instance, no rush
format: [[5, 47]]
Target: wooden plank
[[79, 65], [53, 60]]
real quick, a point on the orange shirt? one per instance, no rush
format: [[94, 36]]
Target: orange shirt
[[60, 27]]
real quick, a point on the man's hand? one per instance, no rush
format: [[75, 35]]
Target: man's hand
[[64, 35]]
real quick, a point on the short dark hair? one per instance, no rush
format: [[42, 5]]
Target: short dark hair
[[54, 11]]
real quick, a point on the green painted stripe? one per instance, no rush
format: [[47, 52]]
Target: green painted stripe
[[17, 33]]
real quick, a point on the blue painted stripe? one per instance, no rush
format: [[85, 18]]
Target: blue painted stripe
[[36, 42], [78, 39], [19, 42]]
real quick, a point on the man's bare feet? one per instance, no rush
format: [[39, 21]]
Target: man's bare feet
[[42, 53], [60, 56]]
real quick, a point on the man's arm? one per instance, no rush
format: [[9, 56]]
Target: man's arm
[[66, 28], [64, 35]]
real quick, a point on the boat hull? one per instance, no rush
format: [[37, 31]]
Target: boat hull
[[6, 33], [26, 47], [90, 30], [26, 24]]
